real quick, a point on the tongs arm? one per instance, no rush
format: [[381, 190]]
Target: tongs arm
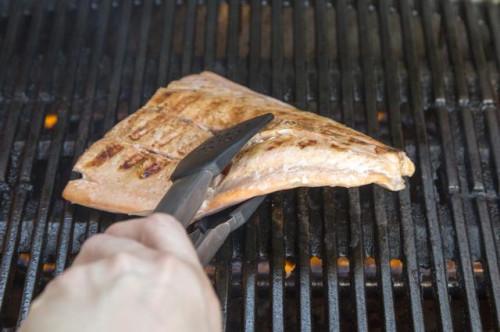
[[185, 196], [208, 241], [194, 174]]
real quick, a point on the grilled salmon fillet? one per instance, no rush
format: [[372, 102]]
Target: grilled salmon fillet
[[128, 171]]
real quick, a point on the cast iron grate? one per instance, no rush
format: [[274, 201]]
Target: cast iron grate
[[419, 75]]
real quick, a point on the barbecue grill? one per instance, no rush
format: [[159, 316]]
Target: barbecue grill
[[418, 75]]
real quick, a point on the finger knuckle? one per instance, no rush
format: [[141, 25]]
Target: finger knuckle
[[173, 265], [168, 262], [122, 261], [161, 226], [94, 241], [65, 281], [161, 219], [111, 229]]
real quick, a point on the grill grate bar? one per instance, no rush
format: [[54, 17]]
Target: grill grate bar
[[116, 76], [435, 60], [140, 62], [277, 263], [463, 97], [187, 53], [22, 189], [10, 39], [367, 28], [425, 168], [408, 229], [255, 43], [356, 229], [493, 134], [436, 65], [466, 265], [91, 84], [456, 60], [487, 93], [11, 239], [494, 20], [232, 45], [451, 171], [234, 241], [491, 256], [40, 226], [223, 279], [250, 266], [210, 35], [249, 281], [331, 254], [71, 72], [324, 108], [492, 124], [39, 108], [15, 108], [277, 245], [166, 42], [303, 220]]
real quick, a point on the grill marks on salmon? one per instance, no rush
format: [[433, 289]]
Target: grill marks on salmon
[[128, 171], [154, 129]]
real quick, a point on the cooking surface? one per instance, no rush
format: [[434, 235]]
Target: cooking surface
[[419, 76]]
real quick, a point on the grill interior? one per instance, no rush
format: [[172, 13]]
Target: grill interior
[[418, 75]]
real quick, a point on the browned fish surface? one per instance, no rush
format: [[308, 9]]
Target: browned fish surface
[[128, 170]]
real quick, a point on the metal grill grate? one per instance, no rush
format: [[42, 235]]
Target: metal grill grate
[[419, 75]]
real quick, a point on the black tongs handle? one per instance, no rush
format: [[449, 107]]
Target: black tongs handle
[[208, 242], [193, 175], [185, 196]]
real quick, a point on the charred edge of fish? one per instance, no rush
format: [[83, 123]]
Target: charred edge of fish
[[146, 128], [215, 104], [355, 140], [309, 142], [337, 147], [135, 160], [152, 169], [274, 145], [289, 123], [109, 151], [226, 170], [184, 102], [161, 97], [385, 149]]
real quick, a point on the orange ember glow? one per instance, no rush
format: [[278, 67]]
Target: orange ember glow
[[24, 258], [343, 262], [289, 268], [478, 267], [48, 267], [370, 265], [316, 264], [370, 261], [381, 116], [343, 265], [50, 121], [316, 261], [396, 265]]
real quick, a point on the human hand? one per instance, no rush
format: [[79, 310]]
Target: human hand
[[140, 275]]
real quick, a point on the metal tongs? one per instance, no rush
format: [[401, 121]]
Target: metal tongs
[[192, 178]]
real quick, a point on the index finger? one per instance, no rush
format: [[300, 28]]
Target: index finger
[[158, 231]]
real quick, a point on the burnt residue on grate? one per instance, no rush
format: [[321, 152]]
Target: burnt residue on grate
[[418, 75]]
